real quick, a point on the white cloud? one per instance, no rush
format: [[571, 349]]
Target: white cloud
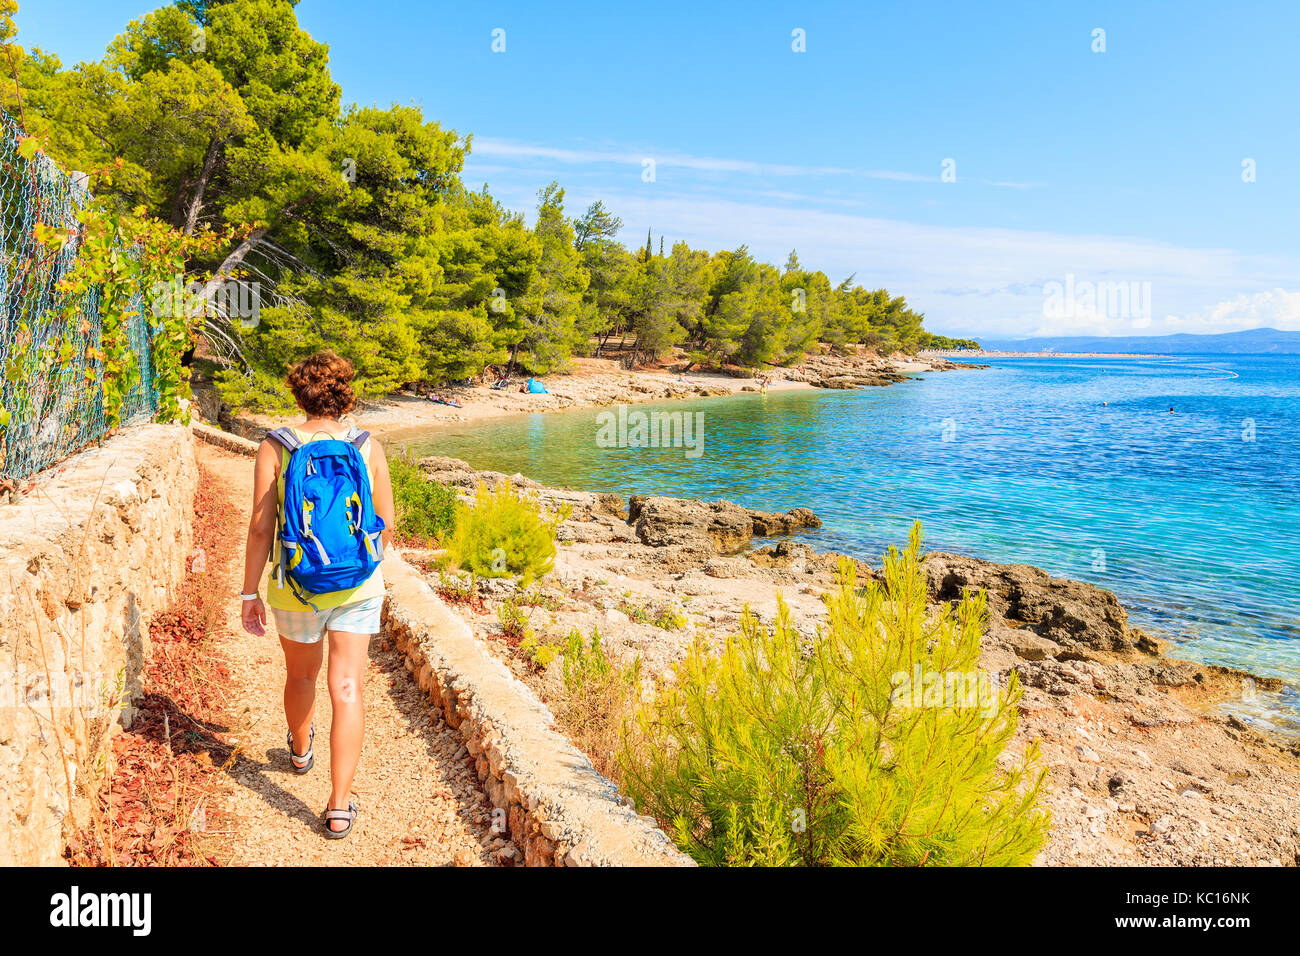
[[966, 279], [1274, 308], [505, 149], [977, 278]]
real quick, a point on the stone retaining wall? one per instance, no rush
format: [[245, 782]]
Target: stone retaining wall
[[559, 810], [87, 557], [215, 436], [557, 807]]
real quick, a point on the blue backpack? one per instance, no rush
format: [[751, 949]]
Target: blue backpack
[[330, 538]]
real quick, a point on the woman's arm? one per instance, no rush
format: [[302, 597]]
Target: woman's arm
[[261, 532], [382, 490]]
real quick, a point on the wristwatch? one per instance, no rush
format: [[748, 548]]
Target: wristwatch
[[250, 597]]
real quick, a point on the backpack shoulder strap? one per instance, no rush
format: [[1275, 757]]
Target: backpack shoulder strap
[[286, 437], [289, 441], [356, 437]]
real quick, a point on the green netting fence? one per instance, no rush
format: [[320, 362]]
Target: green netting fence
[[51, 391]]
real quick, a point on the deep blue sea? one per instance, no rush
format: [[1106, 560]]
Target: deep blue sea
[[1075, 465]]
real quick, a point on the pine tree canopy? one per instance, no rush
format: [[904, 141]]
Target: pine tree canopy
[[222, 115]]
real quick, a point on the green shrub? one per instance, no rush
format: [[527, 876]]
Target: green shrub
[[600, 697], [540, 653], [671, 619], [426, 509], [514, 622], [504, 534], [635, 612], [790, 751], [454, 588], [536, 598], [585, 663], [256, 389]]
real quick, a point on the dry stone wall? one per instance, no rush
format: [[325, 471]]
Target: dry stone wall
[[87, 557]]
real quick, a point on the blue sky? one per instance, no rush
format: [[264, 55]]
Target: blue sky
[[1072, 166]]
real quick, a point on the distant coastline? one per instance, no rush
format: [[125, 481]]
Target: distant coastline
[[981, 353], [1245, 342]]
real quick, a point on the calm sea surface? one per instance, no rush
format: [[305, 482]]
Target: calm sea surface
[[1075, 465]]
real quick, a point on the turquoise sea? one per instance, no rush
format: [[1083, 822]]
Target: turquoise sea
[[1075, 465]]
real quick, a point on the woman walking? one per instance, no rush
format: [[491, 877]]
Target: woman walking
[[326, 579]]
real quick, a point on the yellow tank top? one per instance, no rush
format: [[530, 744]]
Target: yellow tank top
[[283, 598]]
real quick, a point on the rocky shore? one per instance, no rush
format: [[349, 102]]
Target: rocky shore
[[865, 369], [1143, 768]]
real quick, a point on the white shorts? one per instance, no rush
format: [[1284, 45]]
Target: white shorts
[[307, 627]]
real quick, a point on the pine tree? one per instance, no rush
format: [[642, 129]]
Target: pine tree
[[877, 742], [355, 225], [557, 322]]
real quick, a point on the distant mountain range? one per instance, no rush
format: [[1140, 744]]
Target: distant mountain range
[[1251, 341]]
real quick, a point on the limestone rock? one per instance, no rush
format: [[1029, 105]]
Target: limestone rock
[[458, 474], [1071, 613], [860, 370], [1024, 643], [718, 525], [722, 526]]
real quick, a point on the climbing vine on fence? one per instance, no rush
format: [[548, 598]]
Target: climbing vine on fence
[[95, 313], [129, 259]]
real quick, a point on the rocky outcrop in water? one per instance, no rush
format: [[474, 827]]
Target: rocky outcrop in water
[[721, 526], [1058, 611], [938, 364], [845, 371], [461, 476]]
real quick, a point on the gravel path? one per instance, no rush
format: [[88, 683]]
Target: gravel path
[[420, 803]]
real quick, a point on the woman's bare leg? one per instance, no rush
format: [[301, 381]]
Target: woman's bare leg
[[347, 668], [302, 663]]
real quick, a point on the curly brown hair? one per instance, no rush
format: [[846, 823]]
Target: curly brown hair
[[322, 385]]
